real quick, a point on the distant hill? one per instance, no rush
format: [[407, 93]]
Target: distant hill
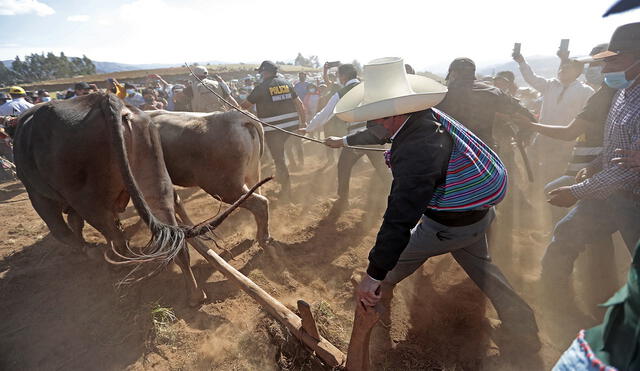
[[109, 67], [544, 66]]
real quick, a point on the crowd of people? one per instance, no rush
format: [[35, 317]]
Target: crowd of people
[[576, 136]]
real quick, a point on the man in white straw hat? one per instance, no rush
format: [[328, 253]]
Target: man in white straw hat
[[445, 184]]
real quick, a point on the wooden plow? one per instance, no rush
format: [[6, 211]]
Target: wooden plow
[[304, 326]]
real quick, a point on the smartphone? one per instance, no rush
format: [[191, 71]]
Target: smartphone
[[333, 64], [516, 49], [564, 45]]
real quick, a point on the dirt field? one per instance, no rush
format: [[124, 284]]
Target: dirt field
[[62, 311]]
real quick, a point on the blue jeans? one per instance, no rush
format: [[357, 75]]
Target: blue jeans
[[626, 214], [590, 222], [575, 359], [587, 223]]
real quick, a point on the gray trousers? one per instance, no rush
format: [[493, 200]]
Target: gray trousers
[[469, 248]]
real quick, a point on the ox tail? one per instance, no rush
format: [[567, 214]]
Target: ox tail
[[166, 240], [260, 131], [254, 161]]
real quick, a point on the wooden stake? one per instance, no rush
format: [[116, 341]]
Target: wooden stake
[[308, 322], [363, 321]]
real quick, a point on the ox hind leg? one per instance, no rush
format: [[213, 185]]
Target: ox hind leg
[[51, 212]]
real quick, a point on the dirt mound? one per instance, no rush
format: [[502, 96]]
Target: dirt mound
[[63, 311]]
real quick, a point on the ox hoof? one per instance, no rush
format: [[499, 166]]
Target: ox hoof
[[197, 299]]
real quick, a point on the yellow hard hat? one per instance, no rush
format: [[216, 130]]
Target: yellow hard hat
[[17, 90]]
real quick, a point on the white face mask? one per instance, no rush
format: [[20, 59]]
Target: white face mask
[[131, 91], [593, 75]]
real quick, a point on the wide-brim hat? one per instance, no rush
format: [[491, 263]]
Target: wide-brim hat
[[387, 90]]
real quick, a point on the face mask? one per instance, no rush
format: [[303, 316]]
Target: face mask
[[593, 75], [45, 99], [312, 91], [618, 80], [148, 100], [131, 91]]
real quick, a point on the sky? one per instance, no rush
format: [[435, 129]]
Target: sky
[[427, 34]]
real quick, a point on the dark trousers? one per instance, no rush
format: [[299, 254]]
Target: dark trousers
[[348, 158], [276, 142], [468, 245]]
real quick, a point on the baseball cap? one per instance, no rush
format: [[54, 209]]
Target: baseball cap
[[267, 66], [461, 64], [82, 86], [506, 75], [17, 90], [594, 51], [625, 38]]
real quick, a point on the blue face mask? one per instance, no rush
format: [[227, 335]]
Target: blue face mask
[[618, 80]]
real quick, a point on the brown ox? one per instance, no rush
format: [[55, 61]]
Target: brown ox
[[87, 157], [218, 152]]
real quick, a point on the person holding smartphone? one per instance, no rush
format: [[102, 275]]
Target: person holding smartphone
[[563, 97]]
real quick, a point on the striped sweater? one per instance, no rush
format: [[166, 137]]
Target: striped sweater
[[476, 178]]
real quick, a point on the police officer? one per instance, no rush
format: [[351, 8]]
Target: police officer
[[202, 99], [277, 104]]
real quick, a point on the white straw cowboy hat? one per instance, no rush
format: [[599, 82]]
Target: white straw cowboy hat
[[387, 90]]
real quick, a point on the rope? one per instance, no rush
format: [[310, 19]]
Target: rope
[[252, 117]]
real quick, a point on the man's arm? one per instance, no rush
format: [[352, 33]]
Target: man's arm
[[251, 99], [301, 113], [322, 117], [537, 82], [566, 133], [602, 184], [419, 164], [246, 104]]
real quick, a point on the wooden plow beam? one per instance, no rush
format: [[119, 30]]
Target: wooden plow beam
[[304, 328]]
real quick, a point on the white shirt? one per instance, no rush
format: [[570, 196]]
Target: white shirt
[[15, 107], [322, 117], [560, 104]]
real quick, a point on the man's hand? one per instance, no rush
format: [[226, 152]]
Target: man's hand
[[302, 127], [518, 58], [584, 174], [628, 159], [563, 55], [562, 197], [217, 77], [334, 142], [368, 291]]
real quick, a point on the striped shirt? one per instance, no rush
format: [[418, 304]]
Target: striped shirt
[[476, 178]]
